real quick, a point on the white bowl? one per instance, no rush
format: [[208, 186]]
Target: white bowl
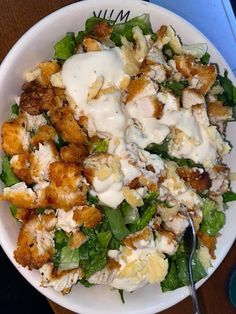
[[37, 45]]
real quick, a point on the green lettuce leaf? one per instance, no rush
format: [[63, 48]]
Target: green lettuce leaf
[[229, 196], [162, 151], [92, 199], [129, 213], [205, 58], [229, 94], [125, 29], [146, 212], [15, 110], [176, 87], [177, 275], [168, 51], [116, 222], [69, 259], [213, 219], [100, 146], [91, 253], [13, 210], [65, 47], [61, 240], [7, 176]]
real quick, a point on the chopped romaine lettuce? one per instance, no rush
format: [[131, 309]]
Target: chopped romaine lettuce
[[229, 94], [125, 29], [229, 196], [85, 283], [176, 87], [168, 51], [118, 30], [13, 210], [60, 142], [205, 58], [213, 219], [92, 255], [116, 222], [92, 199], [15, 109], [100, 146], [162, 151], [65, 47], [61, 240], [129, 213], [7, 176], [147, 211], [104, 238], [178, 270], [69, 258], [197, 50]]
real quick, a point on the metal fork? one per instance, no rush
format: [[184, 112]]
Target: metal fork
[[190, 241]]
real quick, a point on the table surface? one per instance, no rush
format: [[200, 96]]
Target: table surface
[[16, 17]]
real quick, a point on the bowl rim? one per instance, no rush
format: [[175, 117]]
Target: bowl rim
[[3, 68]]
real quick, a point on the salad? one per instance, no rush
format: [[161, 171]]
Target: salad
[[108, 148]]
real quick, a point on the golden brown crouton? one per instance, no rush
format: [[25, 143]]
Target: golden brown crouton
[[45, 133], [209, 242], [134, 239], [73, 153], [47, 69], [67, 187], [20, 196], [14, 137], [36, 98], [206, 74], [90, 44], [20, 165], [102, 30], [88, 216], [197, 180], [184, 64], [161, 32], [77, 239], [136, 86], [64, 121], [218, 112], [24, 214], [158, 108], [35, 243]]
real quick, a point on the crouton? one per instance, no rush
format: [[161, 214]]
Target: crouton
[[15, 139], [47, 70], [133, 240], [73, 153], [209, 242], [102, 30], [184, 64], [76, 240], [35, 242], [20, 196], [90, 44], [200, 181], [67, 187], [88, 216], [45, 133], [218, 112], [206, 74], [20, 165], [191, 97], [36, 98], [64, 121]]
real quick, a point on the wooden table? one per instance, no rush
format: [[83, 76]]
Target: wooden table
[[16, 17]]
